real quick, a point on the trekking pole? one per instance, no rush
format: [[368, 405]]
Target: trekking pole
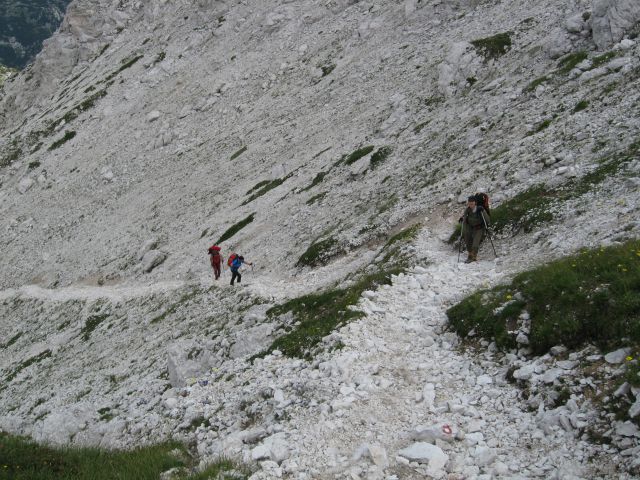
[[489, 235], [460, 241]]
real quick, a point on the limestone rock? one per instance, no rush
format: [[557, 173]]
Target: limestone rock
[[611, 19], [617, 356], [152, 259]]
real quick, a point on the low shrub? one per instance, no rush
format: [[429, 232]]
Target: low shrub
[[569, 62], [319, 253], [357, 155], [493, 47], [581, 105], [266, 187], [238, 153], [590, 297], [380, 156], [531, 87]]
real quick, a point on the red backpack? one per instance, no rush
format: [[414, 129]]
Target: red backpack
[[232, 257], [214, 249]]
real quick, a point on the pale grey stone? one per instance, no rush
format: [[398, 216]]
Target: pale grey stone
[[152, 259], [617, 356]]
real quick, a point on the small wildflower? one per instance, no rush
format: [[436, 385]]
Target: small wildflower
[[509, 297], [629, 358]]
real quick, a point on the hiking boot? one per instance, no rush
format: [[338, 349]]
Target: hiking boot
[[469, 259]]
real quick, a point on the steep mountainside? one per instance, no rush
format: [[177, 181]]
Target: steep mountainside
[[311, 136], [24, 26]]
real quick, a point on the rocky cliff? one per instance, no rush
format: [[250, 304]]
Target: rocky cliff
[[306, 135]]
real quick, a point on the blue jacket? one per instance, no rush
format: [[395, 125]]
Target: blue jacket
[[236, 264]]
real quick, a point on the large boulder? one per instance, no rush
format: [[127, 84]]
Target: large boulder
[[612, 19], [458, 69]]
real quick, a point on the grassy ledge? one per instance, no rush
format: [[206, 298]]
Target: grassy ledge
[[319, 253], [236, 228], [238, 153], [357, 155], [68, 135], [591, 297], [318, 314], [23, 459], [265, 188]]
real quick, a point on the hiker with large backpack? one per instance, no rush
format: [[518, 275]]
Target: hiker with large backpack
[[475, 224], [235, 262], [216, 260]]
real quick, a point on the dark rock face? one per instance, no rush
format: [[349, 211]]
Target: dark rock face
[[24, 25]]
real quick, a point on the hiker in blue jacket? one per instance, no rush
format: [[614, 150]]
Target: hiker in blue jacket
[[235, 266]]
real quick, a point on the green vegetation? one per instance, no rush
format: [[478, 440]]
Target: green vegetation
[[23, 459], [173, 307], [317, 179], [327, 68], [493, 47], [12, 340], [603, 59], [316, 198], [270, 185], [238, 153], [160, 57], [235, 228], [380, 156], [524, 211], [357, 155], [418, 128], [590, 297], [91, 324], [5, 73], [258, 185], [317, 315], [569, 62], [319, 253], [126, 63], [68, 135], [535, 84], [540, 126], [13, 153], [581, 105], [28, 362]]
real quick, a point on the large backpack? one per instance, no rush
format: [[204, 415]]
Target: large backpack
[[213, 250], [482, 200], [232, 257]]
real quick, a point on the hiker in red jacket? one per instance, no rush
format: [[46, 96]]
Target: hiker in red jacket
[[216, 260]]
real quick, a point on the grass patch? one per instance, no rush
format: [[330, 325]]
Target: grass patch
[[316, 198], [68, 135], [126, 63], [380, 156], [327, 69], [493, 47], [28, 362], [603, 59], [23, 459], [540, 127], [569, 62], [270, 185], [91, 324], [317, 315], [531, 87], [238, 153], [12, 340], [524, 211], [590, 297], [319, 178], [12, 153], [357, 155], [258, 185], [418, 128], [235, 229], [581, 105], [173, 307], [319, 253]]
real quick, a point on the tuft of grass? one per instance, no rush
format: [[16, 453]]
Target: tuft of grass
[[540, 127], [316, 198], [126, 63], [91, 324], [319, 253], [418, 128], [173, 307], [28, 362], [524, 211], [569, 62], [493, 47], [230, 232], [603, 59], [531, 87], [23, 459], [13, 153], [319, 178], [380, 156], [581, 105], [238, 153], [357, 155], [68, 135], [258, 185], [12, 340], [590, 297], [327, 68], [270, 185]]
